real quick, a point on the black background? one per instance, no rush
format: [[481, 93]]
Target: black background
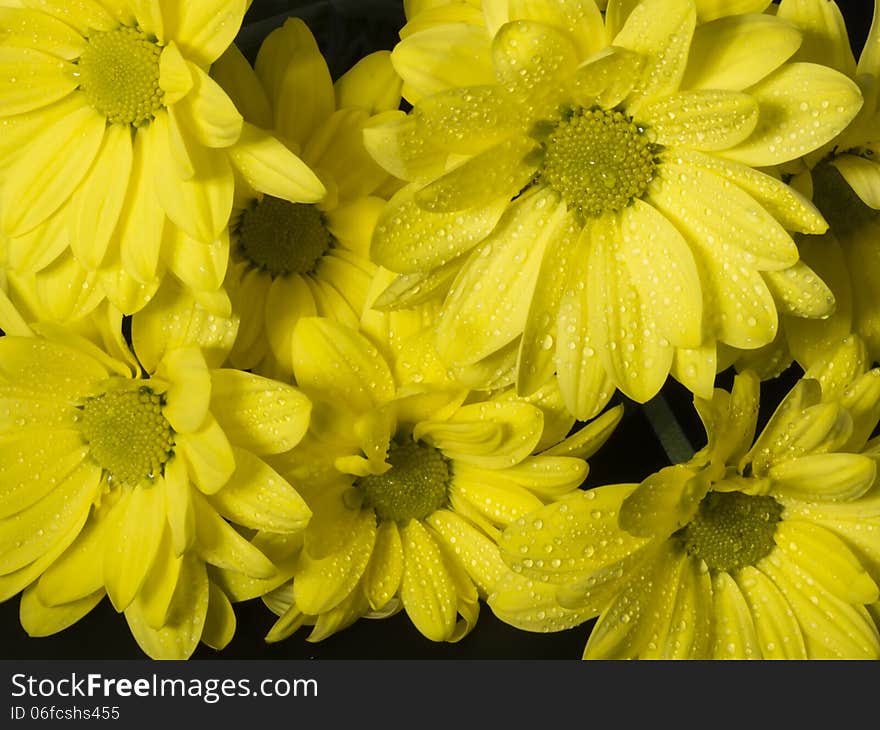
[[347, 30]]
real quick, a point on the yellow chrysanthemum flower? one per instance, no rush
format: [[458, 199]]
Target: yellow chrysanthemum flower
[[592, 188], [290, 259], [843, 179], [409, 487], [766, 552], [120, 485], [111, 123]]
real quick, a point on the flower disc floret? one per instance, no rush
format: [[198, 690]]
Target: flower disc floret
[[283, 237], [127, 432], [732, 530], [414, 487], [597, 160], [119, 74]]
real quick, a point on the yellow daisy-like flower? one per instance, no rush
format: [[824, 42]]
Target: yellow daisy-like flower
[[111, 123], [595, 194], [408, 485], [844, 180], [120, 485], [295, 259], [766, 552]]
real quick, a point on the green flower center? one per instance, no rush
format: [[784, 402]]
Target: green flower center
[[119, 74], [127, 433], [597, 160], [283, 237], [732, 530], [414, 487]]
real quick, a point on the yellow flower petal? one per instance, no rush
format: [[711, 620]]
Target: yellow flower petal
[[791, 209], [100, 197], [537, 358], [427, 589], [488, 303], [627, 335], [34, 531], [37, 619], [233, 72], [826, 40], [256, 496], [220, 544], [294, 72], [863, 177], [687, 632], [204, 30], [263, 415], [831, 628], [39, 182], [202, 204], [220, 619], [824, 476], [208, 455], [33, 464], [492, 435], [132, 540], [396, 142], [442, 57], [371, 84], [662, 31], [175, 75], [499, 172], [340, 364], [207, 112], [737, 51], [27, 28], [385, 569], [500, 501], [702, 120], [532, 57], [581, 530], [862, 401], [431, 239], [695, 368], [323, 582], [272, 168], [79, 571], [580, 19], [179, 507], [735, 636], [179, 636], [788, 99], [48, 79], [583, 379], [827, 559], [189, 390], [84, 15], [665, 501], [623, 630], [777, 629], [730, 418], [158, 589]]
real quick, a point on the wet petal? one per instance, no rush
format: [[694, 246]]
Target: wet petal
[[336, 362], [825, 476], [777, 629], [803, 106], [427, 590], [627, 334], [256, 496], [263, 415], [488, 303], [737, 51], [385, 570]]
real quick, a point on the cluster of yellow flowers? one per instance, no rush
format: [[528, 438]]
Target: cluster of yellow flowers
[[345, 346]]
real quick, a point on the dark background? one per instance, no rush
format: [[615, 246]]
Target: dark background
[[346, 31]]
